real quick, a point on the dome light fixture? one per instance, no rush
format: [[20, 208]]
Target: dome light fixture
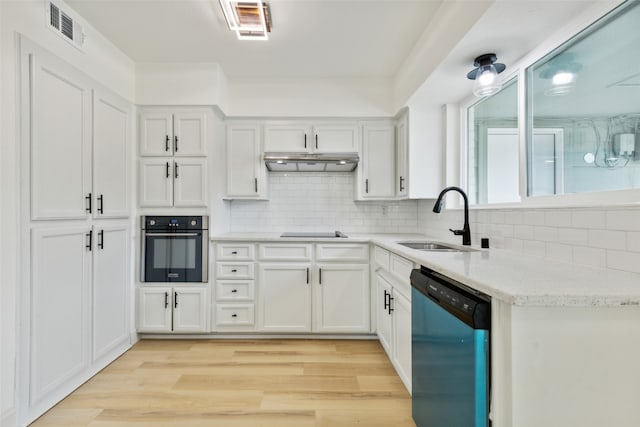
[[485, 75]]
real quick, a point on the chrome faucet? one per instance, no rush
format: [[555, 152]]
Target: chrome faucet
[[466, 231]]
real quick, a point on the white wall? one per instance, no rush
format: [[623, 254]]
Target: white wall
[[104, 63], [320, 202]]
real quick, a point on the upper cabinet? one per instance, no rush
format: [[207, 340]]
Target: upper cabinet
[[402, 160], [79, 139], [376, 172], [246, 171], [295, 137], [177, 133]]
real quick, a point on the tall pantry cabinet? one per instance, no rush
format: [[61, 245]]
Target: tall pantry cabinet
[[76, 174]]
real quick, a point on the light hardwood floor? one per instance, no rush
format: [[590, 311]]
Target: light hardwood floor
[[280, 383]]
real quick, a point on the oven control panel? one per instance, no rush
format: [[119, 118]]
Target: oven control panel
[[169, 223]]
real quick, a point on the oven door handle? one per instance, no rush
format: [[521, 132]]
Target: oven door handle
[[171, 234]]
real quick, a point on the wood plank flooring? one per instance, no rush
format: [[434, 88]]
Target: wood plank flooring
[[237, 383]]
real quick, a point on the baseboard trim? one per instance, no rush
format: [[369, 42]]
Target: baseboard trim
[[226, 336]]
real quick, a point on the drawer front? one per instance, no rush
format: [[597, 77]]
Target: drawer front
[[400, 267], [234, 270], [235, 314], [285, 252], [235, 251], [381, 257], [348, 252], [235, 290]]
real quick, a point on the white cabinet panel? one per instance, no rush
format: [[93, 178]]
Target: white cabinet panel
[[60, 140], [154, 309], [381, 257], [289, 138], [336, 138], [189, 309], [402, 161], [246, 172], [235, 251], [344, 252], [190, 133], [156, 133], [156, 183], [341, 299], [384, 321], [285, 297], [190, 182], [111, 177], [235, 290], [235, 315], [402, 337], [284, 251], [234, 270], [377, 169], [60, 306], [111, 288]]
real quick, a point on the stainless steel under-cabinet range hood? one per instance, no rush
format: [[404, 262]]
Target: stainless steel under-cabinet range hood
[[316, 162]]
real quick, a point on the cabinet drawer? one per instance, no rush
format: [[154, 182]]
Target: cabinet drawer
[[400, 267], [235, 314], [235, 251], [285, 252], [381, 257], [342, 252], [235, 290], [234, 270]]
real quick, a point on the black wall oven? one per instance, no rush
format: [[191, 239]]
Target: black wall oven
[[175, 248]]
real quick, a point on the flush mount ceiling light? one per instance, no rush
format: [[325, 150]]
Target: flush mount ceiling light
[[485, 75], [250, 19], [563, 72]]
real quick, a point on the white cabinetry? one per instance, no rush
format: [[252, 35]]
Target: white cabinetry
[[74, 317], [246, 171], [235, 288], [172, 309], [293, 287], [173, 182], [285, 297], [173, 133], [67, 114], [393, 309], [402, 153], [298, 137], [376, 173]]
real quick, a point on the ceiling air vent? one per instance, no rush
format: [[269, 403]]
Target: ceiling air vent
[[63, 25]]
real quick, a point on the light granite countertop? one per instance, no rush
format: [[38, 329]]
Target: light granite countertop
[[510, 277]]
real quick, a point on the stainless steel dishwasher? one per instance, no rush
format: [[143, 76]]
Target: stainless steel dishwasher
[[450, 326]]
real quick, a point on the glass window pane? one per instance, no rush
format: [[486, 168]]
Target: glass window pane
[[583, 105], [493, 148]]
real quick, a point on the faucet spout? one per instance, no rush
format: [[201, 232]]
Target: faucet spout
[[466, 231]]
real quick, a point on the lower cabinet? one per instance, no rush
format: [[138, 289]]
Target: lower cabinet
[[342, 298], [172, 309], [285, 297]]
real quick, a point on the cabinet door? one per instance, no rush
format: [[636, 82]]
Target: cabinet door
[[111, 170], [378, 162], [156, 183], [60, 139], [336, 138], [190, 182], [289, 138], [285, 297], [154, 309], [383, 317], [341, 298], [59, 305], [190, 309], [110, 288], [402, 161], [190, 134], [245, 175], [402, 337], [156, 134]]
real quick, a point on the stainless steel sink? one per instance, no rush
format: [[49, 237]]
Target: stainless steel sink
[[435, 246]]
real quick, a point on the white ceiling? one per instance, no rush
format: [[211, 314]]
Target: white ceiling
[[309, 38]]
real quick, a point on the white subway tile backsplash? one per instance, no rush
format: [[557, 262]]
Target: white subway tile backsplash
[[560, 252], [607, 239], [524, 232], [557, 218], [533, 248], [572, 236], [588, 219], [593, 257], [626, 261], [534, 217], [623, 219], [633, 241]]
